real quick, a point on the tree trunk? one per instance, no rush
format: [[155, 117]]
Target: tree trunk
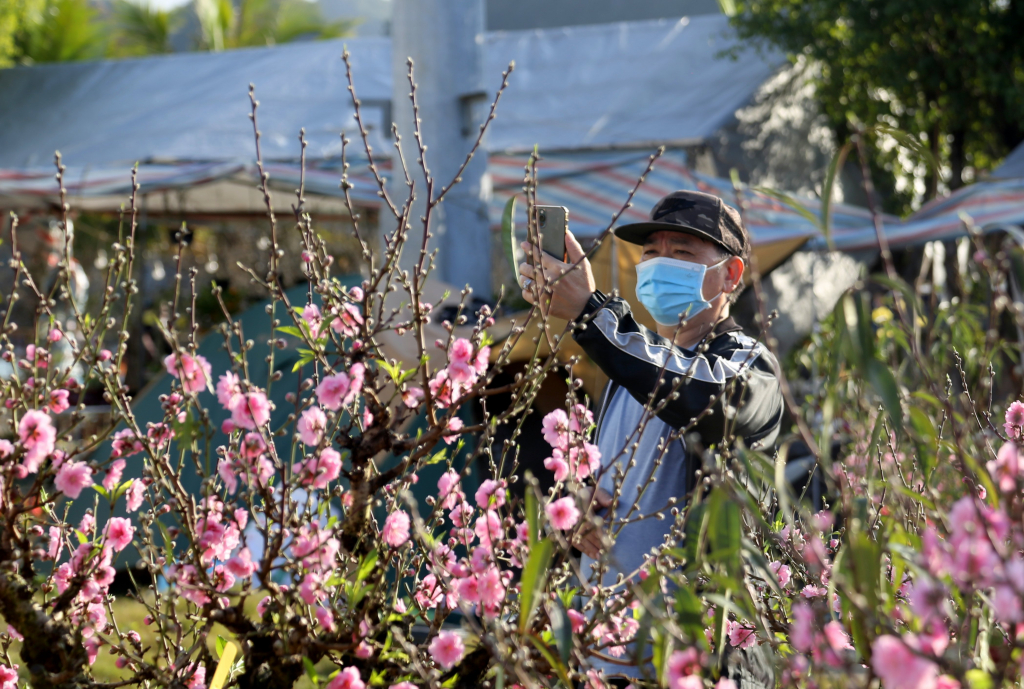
[[957, 158], [931, 180]]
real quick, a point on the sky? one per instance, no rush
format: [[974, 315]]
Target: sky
[[167, 4]]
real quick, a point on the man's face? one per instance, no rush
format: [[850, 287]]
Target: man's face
[[687, 247]]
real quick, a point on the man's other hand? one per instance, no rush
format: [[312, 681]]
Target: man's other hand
[[589, 538], [569, 294]]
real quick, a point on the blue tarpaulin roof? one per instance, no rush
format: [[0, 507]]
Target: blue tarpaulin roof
[[614, 84]]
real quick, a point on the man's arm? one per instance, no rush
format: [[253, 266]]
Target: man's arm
[[634, 357]]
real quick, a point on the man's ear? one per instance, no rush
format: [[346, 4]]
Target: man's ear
[[734, 273]]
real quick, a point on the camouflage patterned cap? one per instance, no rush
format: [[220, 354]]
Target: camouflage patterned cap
[[696, 213]]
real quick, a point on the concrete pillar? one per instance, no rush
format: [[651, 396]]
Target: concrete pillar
[[445, 40]]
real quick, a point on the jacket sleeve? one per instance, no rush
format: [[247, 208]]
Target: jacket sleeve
[[643, 362]]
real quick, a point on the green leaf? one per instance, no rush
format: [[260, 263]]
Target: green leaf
[[532, 583], [532, 511], [728, 7], [834, 166], [561, 629], [690, 615], [394, 370], [790, 202], [508, 235], [219, 645], [367, 564], [82, 538], [884, 384], [122, 489], [437, 457], [865, 562], [725, 532], [290, 330], [720, 627], [168, 541], [552, 660], [695, 519]]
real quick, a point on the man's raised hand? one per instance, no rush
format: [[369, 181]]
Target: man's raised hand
[[569, 294]]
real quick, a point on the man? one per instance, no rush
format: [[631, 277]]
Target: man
[[706, 376]]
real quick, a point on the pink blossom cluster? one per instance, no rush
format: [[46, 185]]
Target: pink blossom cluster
[[340, 389], [222, 561], [192, 370], [249, 406], [90, 567], [465, 366], [897, 661], [479, 580], [571, 456], [825, 645], [973, 554]]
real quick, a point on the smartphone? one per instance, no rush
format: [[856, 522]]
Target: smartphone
[[552, 222]]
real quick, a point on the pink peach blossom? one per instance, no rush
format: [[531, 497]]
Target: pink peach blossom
[[490, 490], [113, 477], [1014, 419], [313, 320], [333, 390], [562, 513], [119, 533], [9, 676], [446, 649], [461, 351], [740, 635], [193, 371], [241, 565], [59, 401], [899, 667], [482, 359], [411, 398], [320, 470], [312, 425], [348, 678], [396, 529], [72, 478], [448, 489], [228, 388], [325, 618], [135, 494], [251, 410], [836, 636], [556, 464], [556, 429], [38, 437], [454, 426], [801, 629]]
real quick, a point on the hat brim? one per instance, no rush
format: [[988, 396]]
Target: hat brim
[[638, 232]]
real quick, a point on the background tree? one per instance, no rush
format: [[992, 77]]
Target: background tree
[[949, 72], [34, 31], [249, 23], [142, 29], [60, 31]]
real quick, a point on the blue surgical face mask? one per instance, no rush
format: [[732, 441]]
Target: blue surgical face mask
[[671, 289]]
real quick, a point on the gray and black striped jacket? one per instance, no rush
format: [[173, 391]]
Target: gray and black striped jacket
[[641, 361]]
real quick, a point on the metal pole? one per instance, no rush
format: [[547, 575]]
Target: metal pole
[[445, 40]]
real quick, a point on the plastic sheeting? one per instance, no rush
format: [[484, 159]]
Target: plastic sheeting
[[1013, 166], [619, 84], [188, 106], [615, 84]]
